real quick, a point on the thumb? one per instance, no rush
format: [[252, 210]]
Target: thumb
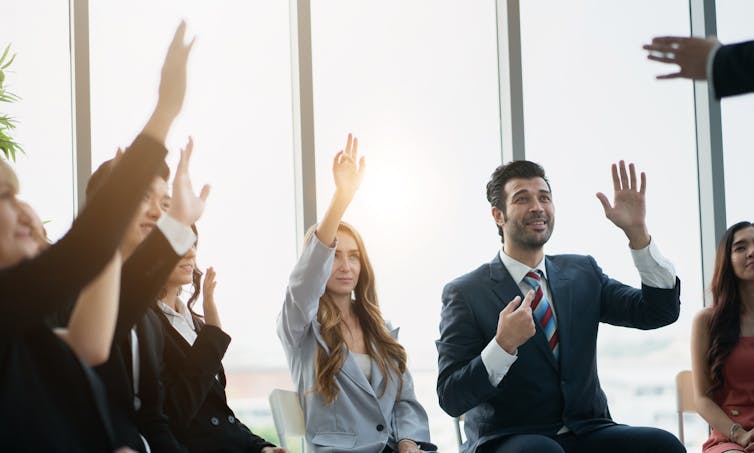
[[205, 192], [512, 305], [605, 202]]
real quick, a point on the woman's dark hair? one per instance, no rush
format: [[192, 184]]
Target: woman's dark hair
[[196, 282], [725, 325]]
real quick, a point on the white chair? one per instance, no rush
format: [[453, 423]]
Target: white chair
[[287, 415], [684, 385]]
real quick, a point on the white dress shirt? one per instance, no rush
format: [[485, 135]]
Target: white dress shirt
[[180, 319]]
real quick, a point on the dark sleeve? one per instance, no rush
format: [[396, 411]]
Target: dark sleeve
[[257, 443], [463, 382], [733, 69], [35, 288], [188, 381], [153, 422], [648, 308], [143, 276]]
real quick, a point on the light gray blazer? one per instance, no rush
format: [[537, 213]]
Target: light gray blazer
[[358, 420]]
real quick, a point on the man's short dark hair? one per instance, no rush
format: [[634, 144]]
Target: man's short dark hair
[[522, 169], [100, 175]]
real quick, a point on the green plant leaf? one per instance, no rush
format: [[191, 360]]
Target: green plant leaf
[[5, 53]]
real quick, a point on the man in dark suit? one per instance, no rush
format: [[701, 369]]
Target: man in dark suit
[[517, 347], [729, 68]]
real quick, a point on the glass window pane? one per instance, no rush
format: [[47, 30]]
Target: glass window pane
[[238, 109], [419, 89], [590, 99], [41, 77], [734, 18]]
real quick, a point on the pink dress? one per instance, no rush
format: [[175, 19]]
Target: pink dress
[[736, 397]]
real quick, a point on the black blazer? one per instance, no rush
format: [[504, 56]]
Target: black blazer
[[195, 398], [733, 69], [144, 274], [48, 398], [538, 395]]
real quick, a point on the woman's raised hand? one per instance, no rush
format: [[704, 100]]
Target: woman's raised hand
[[211, 315], [348, 168]]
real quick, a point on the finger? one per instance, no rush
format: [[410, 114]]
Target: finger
[[179, 35], [512, 305], [204, 194], [662, 58], [643, 187], [528, 299], [349, 142], [362, 167], [336, 159], [355, 151], [669, 40], [605, 203], [616, 180], [190, 145], [182, 165], [632, 176], [623, 175], [673, 75]]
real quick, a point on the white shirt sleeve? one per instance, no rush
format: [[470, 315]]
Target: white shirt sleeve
[[180, 237], [654, 269], [497, 361]]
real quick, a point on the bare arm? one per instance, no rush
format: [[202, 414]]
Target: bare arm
[[348, 172], [707, 408], [90, 330]]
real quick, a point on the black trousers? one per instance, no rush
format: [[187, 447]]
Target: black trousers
[[613, 439]]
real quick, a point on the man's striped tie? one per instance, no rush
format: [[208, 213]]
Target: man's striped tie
[[542, 310]]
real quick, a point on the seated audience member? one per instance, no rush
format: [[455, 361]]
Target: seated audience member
[[728, 68], [722, 346], [518, 335], [195, 400], [152, 245], [348, 367], [51, 402]]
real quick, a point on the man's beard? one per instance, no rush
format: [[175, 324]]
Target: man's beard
[[525, 239]]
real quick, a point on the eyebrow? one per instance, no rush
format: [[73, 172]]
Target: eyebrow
[[526, 191], [739, 242]]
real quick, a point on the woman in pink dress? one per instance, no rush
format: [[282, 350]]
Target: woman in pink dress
[[722, 346]]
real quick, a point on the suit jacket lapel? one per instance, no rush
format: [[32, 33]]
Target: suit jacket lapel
[[560, 292], [351, 371]]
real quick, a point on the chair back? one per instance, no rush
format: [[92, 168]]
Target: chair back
[[685, 398], [287, 415]]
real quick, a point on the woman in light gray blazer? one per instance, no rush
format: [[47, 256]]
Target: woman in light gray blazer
[[350, 371]]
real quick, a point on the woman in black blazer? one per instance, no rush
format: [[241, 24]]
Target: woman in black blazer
[[49, 401], [195, 399]]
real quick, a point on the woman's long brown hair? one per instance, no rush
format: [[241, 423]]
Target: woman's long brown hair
[[389, 355], [725, 324]]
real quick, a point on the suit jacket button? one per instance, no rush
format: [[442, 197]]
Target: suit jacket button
[[734, 412], [215, 421], [231, 419], [380, 427]]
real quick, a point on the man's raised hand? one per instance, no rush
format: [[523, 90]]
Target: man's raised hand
[[186, 207], [628, 211]]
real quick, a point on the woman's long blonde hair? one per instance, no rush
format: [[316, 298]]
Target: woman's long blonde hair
[[389, 355]]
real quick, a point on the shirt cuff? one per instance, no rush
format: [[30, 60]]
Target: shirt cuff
[[497, 361], [180, 237], [710, 68], [654, 269]]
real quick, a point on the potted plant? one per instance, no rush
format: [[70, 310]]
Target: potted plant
[[7, 123]]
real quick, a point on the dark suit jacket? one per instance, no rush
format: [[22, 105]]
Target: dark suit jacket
[[142, 277], [537, 396], [47, 398], [144, 274], [195, 399], [733, 69]]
